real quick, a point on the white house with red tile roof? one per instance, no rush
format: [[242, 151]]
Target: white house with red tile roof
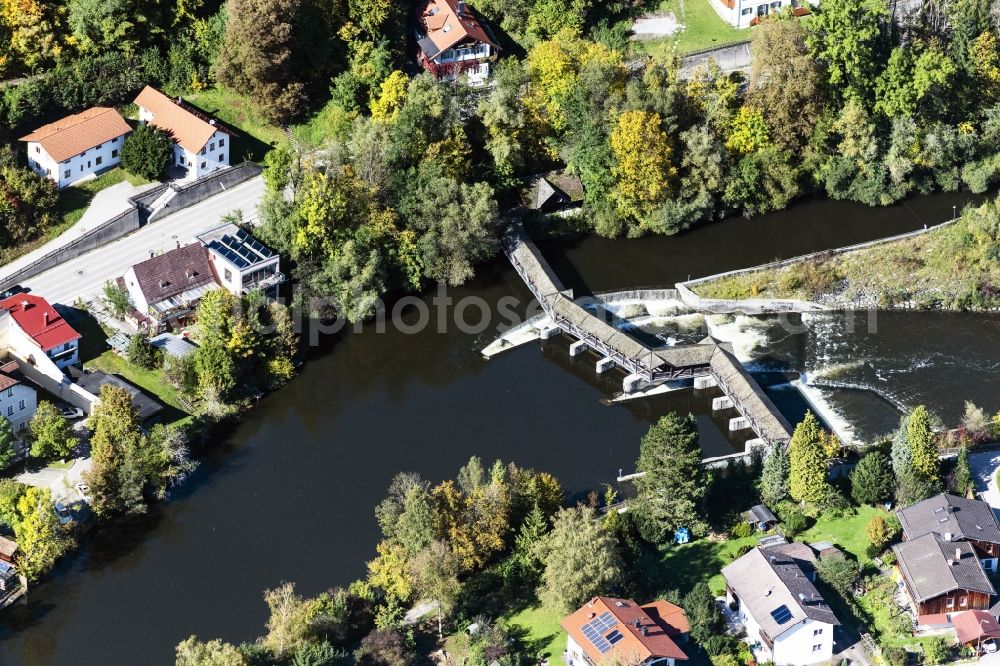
[[452, 40], [33, 328], [201, 146], [77, 146], [609, 630], [18, 399]]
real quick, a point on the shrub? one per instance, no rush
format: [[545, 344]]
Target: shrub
[[936, 651], [719, 644], [147, 152], [894, 656], [740, 530], [793, 521], [141, 352]]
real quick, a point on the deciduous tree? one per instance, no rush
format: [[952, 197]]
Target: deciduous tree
[[288, 622], [581, 559], [844, 37], [8, 441], [52, 436], [642, 167], [192, 652], [435, 577], [41, 540]]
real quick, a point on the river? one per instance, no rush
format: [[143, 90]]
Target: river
[[289, 494]]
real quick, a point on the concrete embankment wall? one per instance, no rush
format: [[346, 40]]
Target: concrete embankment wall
[[777, 305], [729, 57], [209, 186], [106, 232]]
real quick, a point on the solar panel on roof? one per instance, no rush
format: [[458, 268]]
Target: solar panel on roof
[[595, 629], [781, 614], [615, 636]]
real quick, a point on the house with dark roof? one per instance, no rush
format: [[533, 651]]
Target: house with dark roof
[[787, 620], [452, 40], [34, 327], [201, 144], [165, 289], [941, 578], [609, 630], [77, 146], [955, 518]]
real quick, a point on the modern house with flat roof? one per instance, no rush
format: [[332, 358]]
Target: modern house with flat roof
[[201, 145], [609, 630], [77, 146], [452, 40], [787, 620], [241, 262]]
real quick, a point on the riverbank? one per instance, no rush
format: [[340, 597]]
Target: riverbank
[[954, 266]]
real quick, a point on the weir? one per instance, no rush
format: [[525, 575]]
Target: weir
[[708, 362]]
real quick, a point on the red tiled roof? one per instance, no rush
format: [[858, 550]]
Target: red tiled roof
[[80, 132], [187, 126], [446, 27], [39, 320], [651, 639]]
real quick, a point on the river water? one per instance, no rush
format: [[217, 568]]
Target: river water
[[289, 494]]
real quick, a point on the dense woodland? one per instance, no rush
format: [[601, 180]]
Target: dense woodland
[[409, 180]]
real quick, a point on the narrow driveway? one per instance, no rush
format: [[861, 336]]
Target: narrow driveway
[[84, 277]]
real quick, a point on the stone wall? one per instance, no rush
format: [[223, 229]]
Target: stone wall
[[203, 188], [113, 229]]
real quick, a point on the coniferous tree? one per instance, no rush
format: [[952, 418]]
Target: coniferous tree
[[926, 461], [670, 494], [963, 474], [872, 480], [807, 462], [773, 483]]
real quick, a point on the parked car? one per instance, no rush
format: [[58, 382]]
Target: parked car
[[84, 489], [70, 412], [7, 293], [63, 513]]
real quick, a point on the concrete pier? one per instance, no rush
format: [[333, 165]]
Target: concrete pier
[[577, 348], [549, 332], [604, 365], [632, 383], [705, 382], [738, 423], [721, 403], [756, 443]]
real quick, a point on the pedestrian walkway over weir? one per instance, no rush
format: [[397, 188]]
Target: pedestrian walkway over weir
[[708, 362]]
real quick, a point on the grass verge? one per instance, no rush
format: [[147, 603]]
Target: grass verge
[[542, 632]]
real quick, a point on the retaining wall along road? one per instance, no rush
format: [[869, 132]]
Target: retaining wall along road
[[138, 215]]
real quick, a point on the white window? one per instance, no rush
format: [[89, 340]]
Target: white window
[[222, 142], [950, 603], [114, 153], [20, 405], [66, 173], [10, 410], [10, 392], [817, 648], [203, 165], [229, 275], [99, 146], [817, 632], [746, 11], [98, 160], [38, 149], [963, 602], [221, 157], [211, 146]]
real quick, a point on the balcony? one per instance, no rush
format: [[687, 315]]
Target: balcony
[[264, 283]]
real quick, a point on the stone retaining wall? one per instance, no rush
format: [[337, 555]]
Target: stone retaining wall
[[194, 193]]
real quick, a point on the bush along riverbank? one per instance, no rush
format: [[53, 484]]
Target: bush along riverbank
[[951, 267]]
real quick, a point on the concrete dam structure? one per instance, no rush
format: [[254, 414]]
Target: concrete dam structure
[[709, 363]]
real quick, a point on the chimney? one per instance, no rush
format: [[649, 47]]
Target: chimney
[[951, 562], [645, 631], [958, 553], [638, 623], [461, 8], [45, 318], [802, 597], [25, 304]]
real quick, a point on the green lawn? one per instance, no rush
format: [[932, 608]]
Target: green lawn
[[848, 532], [543, 635], [256, 136], [153, 382], [702, 29], [330, 122]]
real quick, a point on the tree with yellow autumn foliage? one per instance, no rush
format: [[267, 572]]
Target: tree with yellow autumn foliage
[[642, 162]]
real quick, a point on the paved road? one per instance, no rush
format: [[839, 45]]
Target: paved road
[[84, 277], [984, 465]]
